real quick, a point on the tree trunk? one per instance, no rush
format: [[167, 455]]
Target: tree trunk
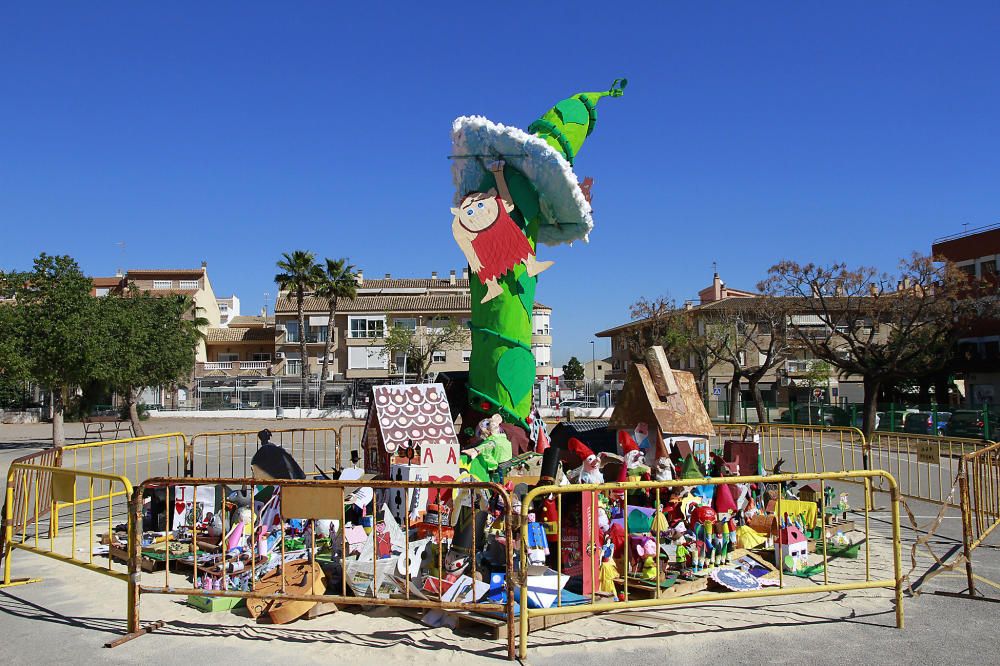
[[58, 414], [758, 401], [871, 406], [304, 361], [734, 398], [131, 397], [326, 354]]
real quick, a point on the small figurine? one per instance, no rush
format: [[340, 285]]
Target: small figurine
[[538, 543], [590, 471], [607, 574]]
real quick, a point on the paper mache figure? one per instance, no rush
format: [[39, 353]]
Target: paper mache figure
[[490, 239]]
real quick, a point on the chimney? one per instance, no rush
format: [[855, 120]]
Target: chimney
[[434, 275], [465, 273], [451, 277], [688, 305], [119, 272], [716, 287], [361, 277], [388, 276], [204, 265]]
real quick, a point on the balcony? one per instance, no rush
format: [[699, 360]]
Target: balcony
[[798, 366], [234, 369]]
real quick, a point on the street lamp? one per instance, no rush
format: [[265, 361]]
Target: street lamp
[[593, 369]]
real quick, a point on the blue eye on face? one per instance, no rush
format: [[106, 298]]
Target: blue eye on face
[[480, 204], [469, 212]]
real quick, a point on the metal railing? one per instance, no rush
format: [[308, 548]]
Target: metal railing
[[812, 448], [135, 458], [925, 467], [979, 486], [228, 453], [588, 494], [75, 503], [389, 583]]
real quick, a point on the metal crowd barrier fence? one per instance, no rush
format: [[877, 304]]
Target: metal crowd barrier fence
[[812, 448], [317, 499], [727, 431], [229, 452], [22, 480], [589, 492], [80, 503], [926, 467], [135, 458], [979, 485], [349, 435]]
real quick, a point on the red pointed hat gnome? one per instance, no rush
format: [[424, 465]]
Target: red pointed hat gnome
[[723, 501], [590, 471], [626, 442]]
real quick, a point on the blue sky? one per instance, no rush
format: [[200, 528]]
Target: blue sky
[[749, 133]]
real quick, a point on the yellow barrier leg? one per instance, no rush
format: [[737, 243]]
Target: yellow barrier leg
[[8, 540], [897, 556]]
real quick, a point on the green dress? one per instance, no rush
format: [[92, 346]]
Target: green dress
[[493, 451]]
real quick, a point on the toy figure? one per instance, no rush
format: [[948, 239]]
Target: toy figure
[[648, 568], [664, 470], [590, 471], [494, 447], [607, 575], [538, 544], [490, 239]]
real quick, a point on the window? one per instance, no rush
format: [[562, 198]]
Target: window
[[408, 323], [189, 284], [968, 269], [541, 323], [439, 357], [260, 356], [292, 331], [367, 358], [988, 268], [102, 291], [466, 355], [438, 324], [225, 357], [162, 284], [400, 361], [543, 354], [293, 367], [367, 327]]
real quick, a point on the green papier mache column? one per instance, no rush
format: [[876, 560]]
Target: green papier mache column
[[548, 208]]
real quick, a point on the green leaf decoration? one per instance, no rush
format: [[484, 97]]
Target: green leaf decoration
[[516, 371], [525, 290], [573, 111]]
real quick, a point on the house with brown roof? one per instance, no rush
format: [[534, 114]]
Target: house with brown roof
[[243, 348], [361, 324]]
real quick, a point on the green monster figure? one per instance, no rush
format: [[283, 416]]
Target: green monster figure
[[515, 189]]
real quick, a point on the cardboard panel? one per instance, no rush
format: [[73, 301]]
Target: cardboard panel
[[62, 486], [312, 502]]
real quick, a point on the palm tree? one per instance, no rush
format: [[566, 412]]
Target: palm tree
[[337, 281], [299, 274]]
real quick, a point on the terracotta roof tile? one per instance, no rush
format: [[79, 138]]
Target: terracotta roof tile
[[163, 271], [416, 303], [216, 335]]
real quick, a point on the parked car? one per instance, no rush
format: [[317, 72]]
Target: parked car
[[825, 415], [970, 423], [893, 421], [923, 423]]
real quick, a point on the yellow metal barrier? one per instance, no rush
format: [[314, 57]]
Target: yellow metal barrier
[[608, 604], [926, 467], [135, 458], [980, 491], [314, 495], [349, 435], [81, 504], [812, 448], [229, 452]]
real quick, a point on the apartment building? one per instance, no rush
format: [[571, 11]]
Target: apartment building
[[977, 253], [361, 324], [790, 380], [229, 308]]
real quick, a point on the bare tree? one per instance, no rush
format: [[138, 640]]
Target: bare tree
[[882, 327], [660, 322], [419, 347], [750, 335]]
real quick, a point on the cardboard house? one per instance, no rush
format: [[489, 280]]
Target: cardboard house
[[792, 548], [666, 400], [410, 425]]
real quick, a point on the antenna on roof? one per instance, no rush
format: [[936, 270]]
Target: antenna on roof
[[267, 295], [715, 268]]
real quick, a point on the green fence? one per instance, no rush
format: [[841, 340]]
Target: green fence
[[980, 422]]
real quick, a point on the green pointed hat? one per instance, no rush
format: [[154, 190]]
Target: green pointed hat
[[566, 125], [689, 468], [544, 155]]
